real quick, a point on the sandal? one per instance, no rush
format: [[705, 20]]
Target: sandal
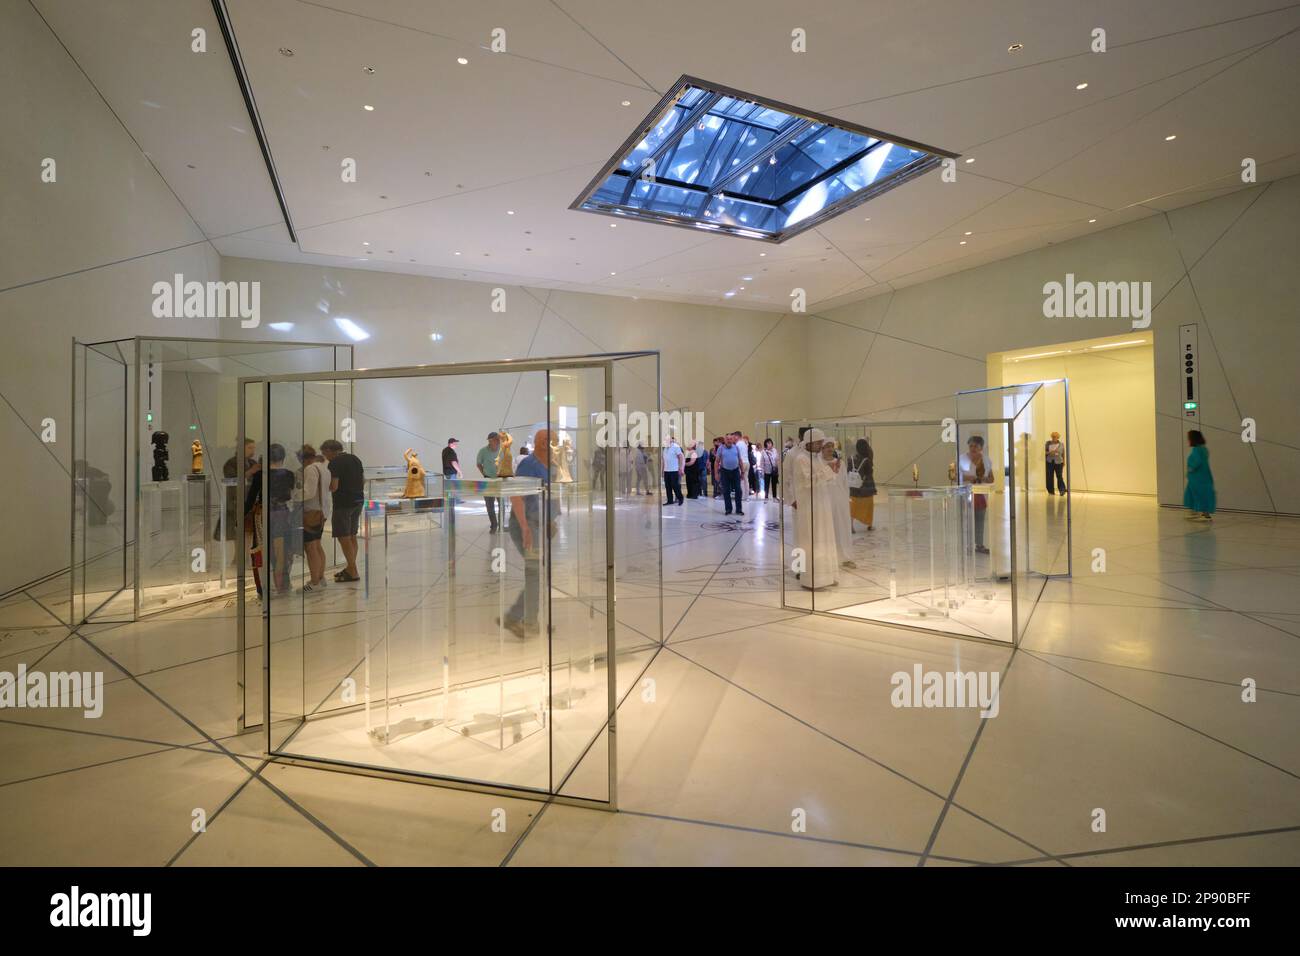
[[342, 577]]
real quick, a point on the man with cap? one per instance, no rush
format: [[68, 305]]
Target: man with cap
[[487, 467]]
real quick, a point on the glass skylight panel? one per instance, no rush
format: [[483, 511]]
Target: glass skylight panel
[[708, 157]]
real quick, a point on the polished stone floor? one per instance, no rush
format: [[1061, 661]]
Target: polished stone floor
[[769, 736]]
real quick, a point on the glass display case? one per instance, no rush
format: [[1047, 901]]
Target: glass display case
[[156, 514], [926, 516], [480, 644]]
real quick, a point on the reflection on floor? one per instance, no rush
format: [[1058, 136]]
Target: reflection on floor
[[1126, 694]]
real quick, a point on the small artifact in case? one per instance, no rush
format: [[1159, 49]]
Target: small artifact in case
[[505, 460], [414, 476], [159, 441]]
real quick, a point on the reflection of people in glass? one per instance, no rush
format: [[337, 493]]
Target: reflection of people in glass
[[975, 470], [1198, 496], [231, 469], [98, 489], [862, 489], [526, 534], [1055, 452], [840, 497], [348, 488], [316, 507], [281, 524], [486, 462], [641, 461]]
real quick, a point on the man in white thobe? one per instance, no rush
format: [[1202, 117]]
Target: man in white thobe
[[812, 484]]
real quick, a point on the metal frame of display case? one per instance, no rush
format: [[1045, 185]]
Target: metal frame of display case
[[603, 361], [131, 450], [867, 421]]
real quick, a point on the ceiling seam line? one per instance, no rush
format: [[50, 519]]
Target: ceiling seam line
[[103, 99], [452, 39], [1068, 56]]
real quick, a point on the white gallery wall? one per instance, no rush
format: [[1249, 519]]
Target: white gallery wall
[[78, 257], [733, 366], [1227, 265]]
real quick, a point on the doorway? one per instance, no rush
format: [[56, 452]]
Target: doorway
[[1112, 406]]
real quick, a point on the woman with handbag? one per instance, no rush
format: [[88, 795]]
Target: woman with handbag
[[862, 484], [316, 502]]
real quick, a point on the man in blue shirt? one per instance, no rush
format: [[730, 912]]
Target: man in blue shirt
[[526, 533], [729, 468]]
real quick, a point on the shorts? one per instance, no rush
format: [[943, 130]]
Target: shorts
[[345, 520]]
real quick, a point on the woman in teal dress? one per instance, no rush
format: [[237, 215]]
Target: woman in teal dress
[[1198, 496]]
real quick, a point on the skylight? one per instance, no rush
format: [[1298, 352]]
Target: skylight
[[712, 158]]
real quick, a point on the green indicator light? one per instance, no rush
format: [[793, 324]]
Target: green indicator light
[[1189, 405], [194, 428], [148, 416]]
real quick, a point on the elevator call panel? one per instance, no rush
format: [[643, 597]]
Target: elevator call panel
[[1191, 393]]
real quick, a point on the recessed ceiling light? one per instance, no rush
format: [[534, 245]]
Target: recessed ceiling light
[[1015, 48], [962, 243], [462, 61], [285, 51], [365, 243], [968, 233], [369, 69], [1081, 86], [970, 159], [1171, 137], [748, 278], [510, 212], [627, 102], [762, 254], [613, 225], [868, 219], [435, 336], [369, 108], [455, 253], [771, 160], [1092, 220], [613, 273]]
